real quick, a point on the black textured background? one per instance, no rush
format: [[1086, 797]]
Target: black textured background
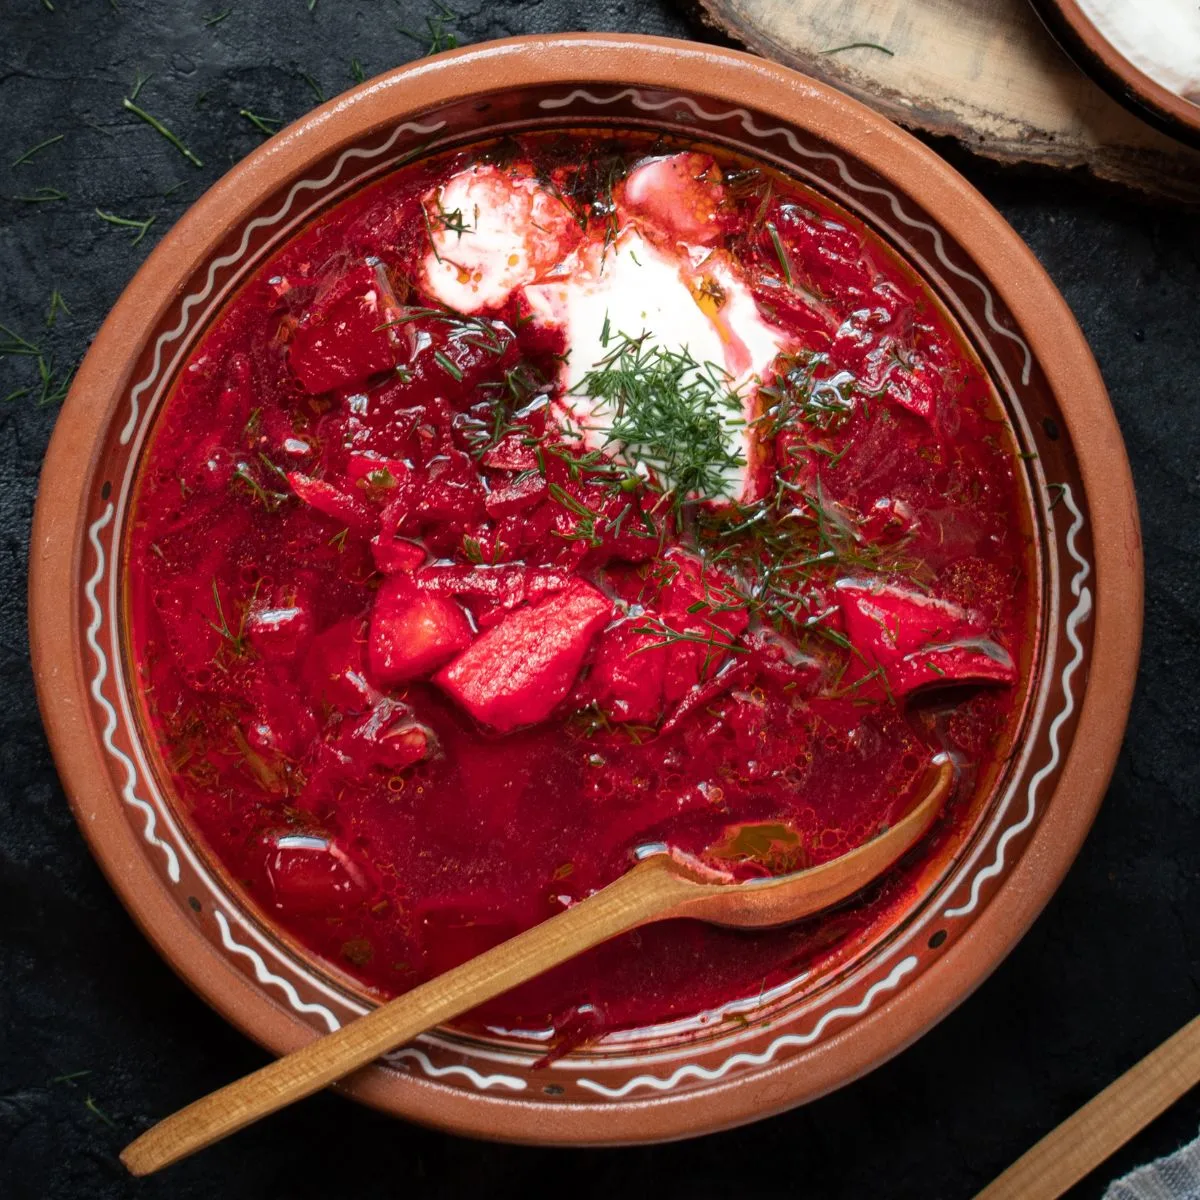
[[98, 1037]]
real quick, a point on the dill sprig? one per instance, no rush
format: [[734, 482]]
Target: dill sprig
[[57, 305], [217, 17], [161, 129], [267, 126], [127, 222], [669, 412], [438, 35], [50, 388], [28, 155], [42, 195]]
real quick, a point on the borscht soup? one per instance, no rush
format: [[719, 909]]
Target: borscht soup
[[557, 496]]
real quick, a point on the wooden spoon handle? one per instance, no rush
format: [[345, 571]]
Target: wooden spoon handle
[[1083, 1141], [638, 896]]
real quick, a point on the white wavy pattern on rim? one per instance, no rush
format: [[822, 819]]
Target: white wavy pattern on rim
[[233, 256], [129, 789], [482, 1082], [1079, 613], [747, 123], [263, 975], [745, 1059]]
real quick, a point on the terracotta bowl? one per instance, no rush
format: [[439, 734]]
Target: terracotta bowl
[[1081, 37], [975, 894]]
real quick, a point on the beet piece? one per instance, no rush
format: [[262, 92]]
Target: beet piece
[[310, 873], [515, 497], [343, 339], [413, 633], [919, 640], [281, 633], [334, 668], [627, 675], [389, 736], [331, 501], [518, 671], [694, 603], [393, 554]]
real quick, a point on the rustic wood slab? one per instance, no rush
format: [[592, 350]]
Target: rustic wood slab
[[985, 72]]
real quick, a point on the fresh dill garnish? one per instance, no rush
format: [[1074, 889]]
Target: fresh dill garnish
[[218, 17], [267, 126], [669, 412], [356, 71], [785, 264], [314, 86], [155, 124], [51, 389], [267, 497], [235, 641], [139, 82], [28, 155], [127, 222], [860, 46], [339, 539], [90, 1103], [57, 305], [438, 35], [450, 368], [42, 195]]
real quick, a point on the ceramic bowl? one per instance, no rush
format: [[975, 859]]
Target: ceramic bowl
[[1171, 109], [973, 896]]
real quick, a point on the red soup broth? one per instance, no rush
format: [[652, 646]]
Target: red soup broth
[[556, 496]]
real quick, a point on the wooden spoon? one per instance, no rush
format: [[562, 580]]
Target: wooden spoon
[[1103, 1125], [657, 887]]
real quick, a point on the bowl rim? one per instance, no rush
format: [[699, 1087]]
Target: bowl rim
[[1127, 83], [58, 543]]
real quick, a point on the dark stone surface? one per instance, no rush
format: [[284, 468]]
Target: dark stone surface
[[1110, 969]]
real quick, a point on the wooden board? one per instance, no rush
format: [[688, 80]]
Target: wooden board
[[985, 72]]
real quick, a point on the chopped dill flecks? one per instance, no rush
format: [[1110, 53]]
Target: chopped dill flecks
[[267, 126], [139, 83], [785, 264], [314, 87], [42, 195], [438, 33], [357, 72], [450, 368], [141, 226], [860, 46], [28, 155], [218, 17], [669, 412], [90, 1103], [159, 127], [57, 305]]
